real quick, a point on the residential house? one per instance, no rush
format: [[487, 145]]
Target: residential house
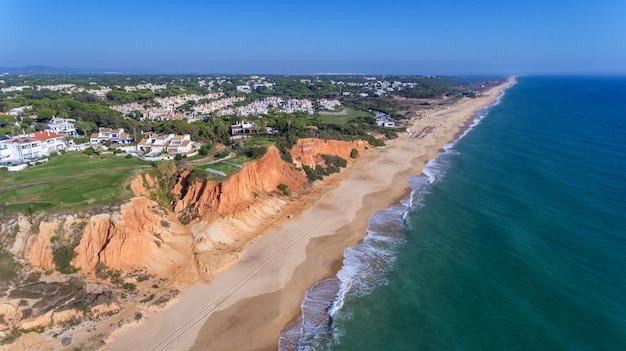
[[116, 136], [18, 110], [30, 147], [171, 144], [242, 127], [62, 125], [179, 144], [383, 120]]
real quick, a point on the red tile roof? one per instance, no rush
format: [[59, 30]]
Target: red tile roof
[[47, 135]]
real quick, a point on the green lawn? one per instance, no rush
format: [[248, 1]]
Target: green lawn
[[256, 142], [225, 167], [70, 181], [341, 118]]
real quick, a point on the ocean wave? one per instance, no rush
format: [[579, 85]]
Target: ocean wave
[[366, 265]]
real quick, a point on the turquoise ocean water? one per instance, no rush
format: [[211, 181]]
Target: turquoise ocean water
[[514, 240]]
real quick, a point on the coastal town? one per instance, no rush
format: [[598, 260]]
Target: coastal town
[[120, 192], [31, 132]]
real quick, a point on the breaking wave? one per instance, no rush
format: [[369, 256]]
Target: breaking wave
[[366, 265]]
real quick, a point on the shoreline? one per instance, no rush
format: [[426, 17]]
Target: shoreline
[[248, 305]]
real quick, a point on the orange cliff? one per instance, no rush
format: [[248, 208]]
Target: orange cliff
[[308, 151], [242, 189], [218, 218], [225, 216], [137, 236]]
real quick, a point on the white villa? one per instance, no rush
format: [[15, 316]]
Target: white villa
[[18, 110], [117, 136], [30, 147], [62, 125], [170, 144], [383, 120], [242, 127]]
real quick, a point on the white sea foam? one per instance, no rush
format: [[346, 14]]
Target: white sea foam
[[366, 265]]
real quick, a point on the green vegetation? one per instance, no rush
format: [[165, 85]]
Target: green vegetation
[[76, 182], [255, 152], [222, 154], [62, 258], [333, 165], [72, 181], [7, 266], [227, 168], [341, 118], [354, 153], [283, 188], [258, 142], [12, 337], [129, 287], [39, 329]]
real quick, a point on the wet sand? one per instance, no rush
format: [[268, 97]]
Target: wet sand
[[247, 306]]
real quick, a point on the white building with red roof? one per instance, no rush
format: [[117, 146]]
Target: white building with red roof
[[30, 147]]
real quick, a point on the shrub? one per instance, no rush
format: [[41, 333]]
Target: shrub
[[89, 151], [256, 152], [334, 161], [286, 156], [310, 173], [283, 187], [284, 153], [222, 154], [354, 153], [62, 257], [204, 150], [196, 174]]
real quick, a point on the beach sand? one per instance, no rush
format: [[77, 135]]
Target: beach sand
[[248, 305]]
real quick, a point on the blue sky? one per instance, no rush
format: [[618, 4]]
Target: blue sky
[[298, 37]]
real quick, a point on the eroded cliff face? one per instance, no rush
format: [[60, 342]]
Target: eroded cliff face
[[308, 151], [138, 236], [218, 217], [141, 244], [229, 214], [242, 189]]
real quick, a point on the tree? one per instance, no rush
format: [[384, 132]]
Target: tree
[[204, 150], [45, 114]]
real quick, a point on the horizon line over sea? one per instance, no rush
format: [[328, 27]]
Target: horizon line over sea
[[513, 238]]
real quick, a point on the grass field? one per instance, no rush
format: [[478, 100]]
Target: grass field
[[256, 142], [225, 166], [341, 118], [70, 181]]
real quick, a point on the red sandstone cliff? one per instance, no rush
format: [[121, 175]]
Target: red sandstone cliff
[[220, 217], [308, 151], [240, 190], [139, 236]]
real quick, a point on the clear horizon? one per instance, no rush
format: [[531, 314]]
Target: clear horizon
[[279, 37]]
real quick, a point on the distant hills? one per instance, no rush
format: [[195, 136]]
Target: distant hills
[[49, 70]]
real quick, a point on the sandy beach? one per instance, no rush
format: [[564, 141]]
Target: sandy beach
[[247, 306]]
